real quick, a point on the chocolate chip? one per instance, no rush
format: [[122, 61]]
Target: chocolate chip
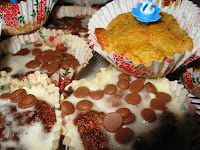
[[112, 122], [33, 64], [164, 96], [63, 48], [148, 114], [57, 59], [124, 135], [96, 95], [47, 57], [44, 66], [124, 76], [67, 108], [123, 84], [36, 51], [22, 52], [39, 58], [66, 63], [83, 30], [137, 85], [38, 45], [7, 69], [53, 67], [133, 98], [157, 104], [124, 112], [5, 96], [17, 95], [81, 92], [110, 89], [84, 105], [27, 101], [150, 87], [129, 119]]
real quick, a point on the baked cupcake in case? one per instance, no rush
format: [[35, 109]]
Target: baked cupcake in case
[[190, 78], [29, 118], [24, 16], [118, 111], [149, 51]]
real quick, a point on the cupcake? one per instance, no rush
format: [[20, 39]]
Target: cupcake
[[118, 111], [139, 50], [190, 78], [53, 52], [29, 115], [24, 16], [71, 19]]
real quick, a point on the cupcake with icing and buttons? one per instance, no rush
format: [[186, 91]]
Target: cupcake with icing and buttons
[[125, 112]]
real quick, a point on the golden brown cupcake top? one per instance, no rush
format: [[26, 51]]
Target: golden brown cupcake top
[[144, 44]]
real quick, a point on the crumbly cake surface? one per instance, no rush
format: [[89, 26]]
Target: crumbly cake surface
[[144, 44]]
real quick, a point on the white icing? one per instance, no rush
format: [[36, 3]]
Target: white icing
[[139, 126], [17, 63], [32, 136]]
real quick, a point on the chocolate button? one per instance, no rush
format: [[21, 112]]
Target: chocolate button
[[27, 101], [57, 59], [38, 45], [66, 63], [129, 119], [164, 96], [137, 85], [148, 114], [75, 64], [5, 96], [124, 76], [110, 89], [69, 56], [124, 112], [44, 66], [150, 87], [67, 108], [36, 51], [123, 84], [47, 57], [39, 58], [22, 52], [58, 53], [53, 67], [133, 98], [83, 30], [63, 48], [33, 64], [124, 135], [157, 104], [112, 122], [81, 92], [84, 105], [17, 95], [96, 95], [7, 69]]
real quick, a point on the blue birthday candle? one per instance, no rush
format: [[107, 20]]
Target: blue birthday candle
[[13, 1], [146, 12]]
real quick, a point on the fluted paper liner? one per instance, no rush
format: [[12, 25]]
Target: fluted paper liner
[[87, 3], [179, 93], [74, 11], [34, 80], [76, 47], [191, 81], [187, 15], [25, 17]]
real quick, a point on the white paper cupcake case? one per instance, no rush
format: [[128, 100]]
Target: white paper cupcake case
[[25, 16], [74, 11], [76, 47], [87, 3], [37, 79], [187, 15], [191, 81]]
